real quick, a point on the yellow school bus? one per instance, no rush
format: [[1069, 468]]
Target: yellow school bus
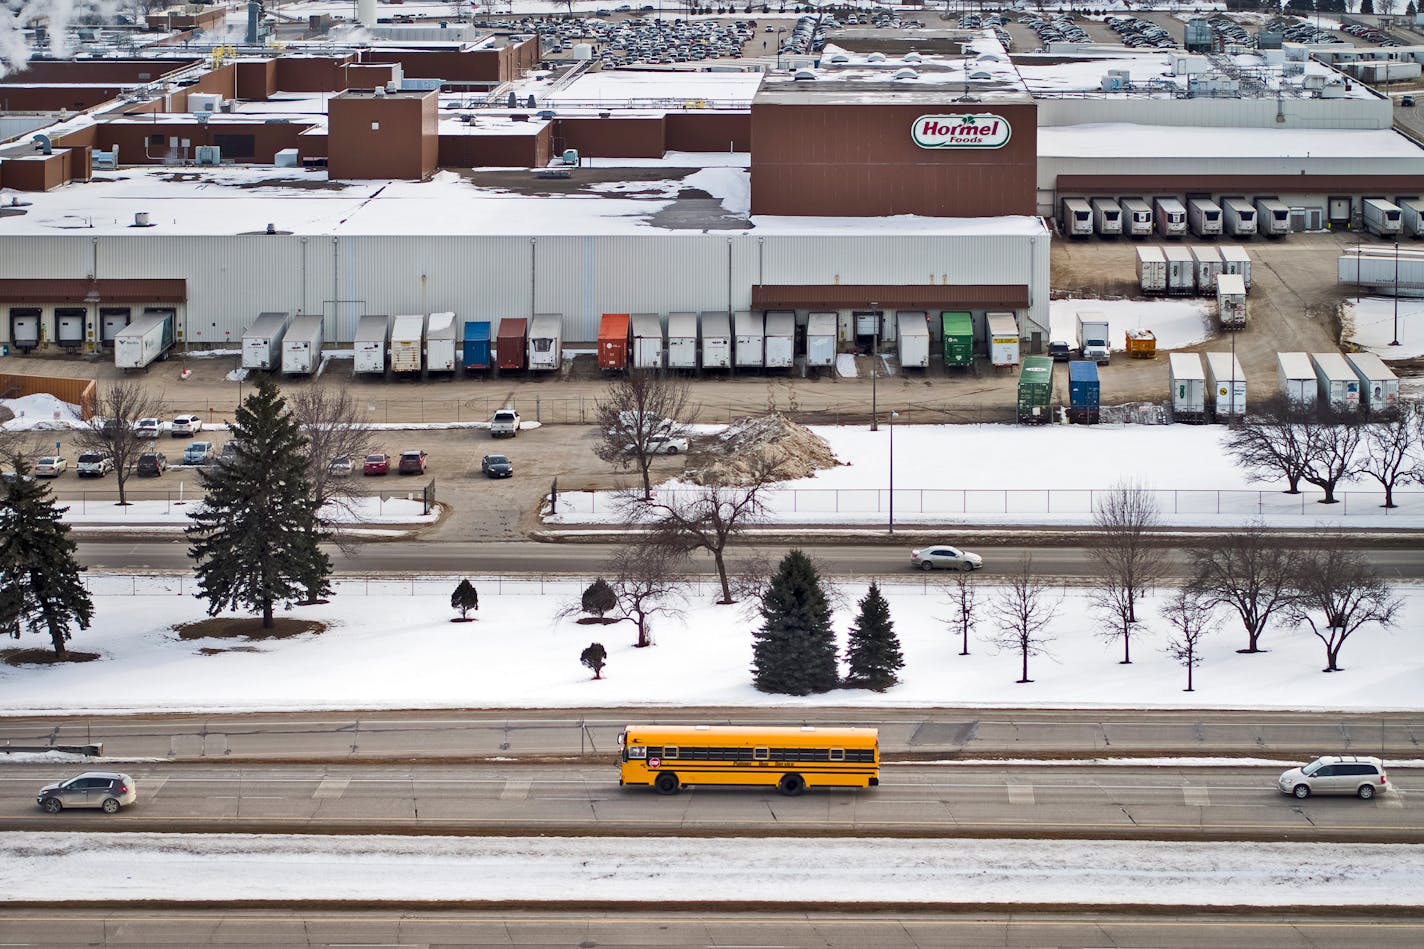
[[788, 759]]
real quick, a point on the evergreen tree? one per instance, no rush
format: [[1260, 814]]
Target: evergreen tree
[[256, 539], [1367, 7], [599, 598], [873, 654], [40, 585], [595, 657], [465, 598], [794, 653], [1411, 10]]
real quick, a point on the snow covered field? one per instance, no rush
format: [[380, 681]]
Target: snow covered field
[[1003, 475], [259, 867], [390, 644]]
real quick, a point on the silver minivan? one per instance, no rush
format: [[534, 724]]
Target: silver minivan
[[1336, 774]]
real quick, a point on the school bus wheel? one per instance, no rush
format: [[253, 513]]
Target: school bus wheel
[[791, 784], [666, 783]]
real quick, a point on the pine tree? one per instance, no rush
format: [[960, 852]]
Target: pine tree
[[599, 598], [465, 598], [40, 585], [873, 654], [595, 657], [794, 653], [256, 540], [1367, 7], [1411, 9]]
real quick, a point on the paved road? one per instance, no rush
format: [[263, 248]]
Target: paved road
[[614, 929], [456, 734], [1075, 802], [515, 558]]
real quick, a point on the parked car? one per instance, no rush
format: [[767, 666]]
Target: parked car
[[106, 790], [50, 466], [505, 423], [93, 464], [377, 463], [496, 466], [412, 462], [1336, 774], [945, 557], [148, 427], [199, 453], [1406, 102], [185, 425], [340, 466], [10, 477], [151, 464], [228, 454]]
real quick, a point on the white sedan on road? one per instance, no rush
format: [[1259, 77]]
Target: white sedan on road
[[945, 557]]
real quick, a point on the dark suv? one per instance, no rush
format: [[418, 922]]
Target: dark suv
[[151, 464]]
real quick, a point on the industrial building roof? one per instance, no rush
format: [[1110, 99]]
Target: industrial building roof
[[1120, 140], [667, 196]]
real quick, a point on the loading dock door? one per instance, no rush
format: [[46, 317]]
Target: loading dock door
[[24, 327], [867, 329], [111, 320], [1340, 211], [69, 326]]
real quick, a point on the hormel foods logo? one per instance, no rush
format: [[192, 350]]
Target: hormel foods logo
[[961, 131]]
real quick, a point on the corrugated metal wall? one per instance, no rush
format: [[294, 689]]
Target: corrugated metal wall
[[1354, 113], [231, 279]]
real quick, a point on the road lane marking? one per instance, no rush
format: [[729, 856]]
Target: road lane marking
[[1021, 794], [330, 788], [515, 790], [151, 788], [1196, 797]]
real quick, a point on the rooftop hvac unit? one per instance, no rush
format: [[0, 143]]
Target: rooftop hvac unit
[[803, 74], [906, 73], [546, 113], [1334, 89], [105, 160], [571, 156], [840, 59], [875, 58], [981, 74], [912, 57], [207, 155]]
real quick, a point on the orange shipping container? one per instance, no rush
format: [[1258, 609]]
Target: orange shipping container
[[613, 341]]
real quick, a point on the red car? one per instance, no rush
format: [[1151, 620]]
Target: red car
[[377, 463]]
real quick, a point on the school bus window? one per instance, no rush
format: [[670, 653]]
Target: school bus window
[[637, 752], [670, 751], [837, 754], [761, 754]]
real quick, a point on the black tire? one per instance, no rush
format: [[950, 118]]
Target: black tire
[[791, 784], [1301, 791], [672, 450], [1366, 791], [53, 805], [927, 566], [965, 567], [110, 805], [666, 783]]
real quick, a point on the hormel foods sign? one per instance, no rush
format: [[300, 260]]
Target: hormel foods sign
[[961, 131]]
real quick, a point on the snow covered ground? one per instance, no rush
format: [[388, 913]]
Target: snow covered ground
[[1003, 475], [261, 867], [1370, 323], [385, 637], [1175, 323]]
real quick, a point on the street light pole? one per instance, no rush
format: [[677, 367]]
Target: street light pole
[[874, 374], [893, 415], [1395, 341]]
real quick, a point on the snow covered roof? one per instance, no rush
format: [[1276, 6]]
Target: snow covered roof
[[1121, 140], [237, 200]]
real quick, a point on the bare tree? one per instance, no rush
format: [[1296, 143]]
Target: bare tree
[[963, 599], [1022, 611], [1248, 570], [1391, 446], [704, 517], [636, 418], [334, 425], [647, 583], [1129, 555], [110, 430], [1191, 619], [1273, 442], [1336, 592], [1331, 456]]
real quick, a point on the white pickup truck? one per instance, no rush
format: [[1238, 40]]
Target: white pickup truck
[[505, 423]]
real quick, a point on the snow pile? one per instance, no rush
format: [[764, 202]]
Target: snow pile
[[748, 444], [39, 412]]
